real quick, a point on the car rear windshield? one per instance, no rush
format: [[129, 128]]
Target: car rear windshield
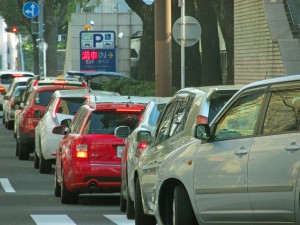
[[7, 78], [69, 106], [105, 122], [96, 82], [42, 98]]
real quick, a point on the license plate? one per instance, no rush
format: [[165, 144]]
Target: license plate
[[119, 151]]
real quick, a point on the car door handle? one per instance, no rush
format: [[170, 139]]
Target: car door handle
[[241, 152], [292, 147]]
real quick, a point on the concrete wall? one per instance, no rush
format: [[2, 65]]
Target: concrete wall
[[256, 55], [263, 43], [125, 23]]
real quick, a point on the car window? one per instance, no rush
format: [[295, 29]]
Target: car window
[[215, 105], [69, 106], [164, 126], [42, 98], [283, 113], [241, 119], [105, 122], [6, 78], [77, 121], [156, 113]]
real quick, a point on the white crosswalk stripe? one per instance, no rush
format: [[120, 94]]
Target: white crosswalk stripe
[[6, 185], [120, 219], [52, 220]]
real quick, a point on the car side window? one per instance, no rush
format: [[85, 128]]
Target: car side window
[[283, 113], [241, 119], [180, 115], [164, 127]]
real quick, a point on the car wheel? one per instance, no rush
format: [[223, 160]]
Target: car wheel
[[45, 165], [17, 148], [23, 152], [57, 187], [129, 207], [140, 217], [36, 161], [183, 212], [122, 202], [10, 125], [67, 197]]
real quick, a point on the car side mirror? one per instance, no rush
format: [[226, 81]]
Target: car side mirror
[[144, 136], [59, 130], [202, 131], [37, 114], [122, 132]]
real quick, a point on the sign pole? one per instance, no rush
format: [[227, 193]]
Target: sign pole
[[42, 55], [182, 5]]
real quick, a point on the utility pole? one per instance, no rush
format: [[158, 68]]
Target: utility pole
[[163, 48], [42, 44]]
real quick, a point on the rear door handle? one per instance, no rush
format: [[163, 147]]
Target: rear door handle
[[292, 147], [241, 152]]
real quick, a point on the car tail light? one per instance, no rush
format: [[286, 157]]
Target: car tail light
[[202, 120], [60, 82], [80, 148], [140, 148], [18, 75], [84, 84], [2, 89], [9, 97], [129, 110], [12, 103], [35, 84]]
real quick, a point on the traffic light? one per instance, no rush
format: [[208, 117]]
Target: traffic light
[[13, 29], [87, 27]]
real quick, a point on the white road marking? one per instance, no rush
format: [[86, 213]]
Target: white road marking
[[52, 220], [120, 219], [6, 185]]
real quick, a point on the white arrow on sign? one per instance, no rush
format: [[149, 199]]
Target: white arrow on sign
[[6, 185], [28, 11]]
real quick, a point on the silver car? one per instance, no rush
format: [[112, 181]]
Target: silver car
[[175, 129], [133, 151], [243, 168]]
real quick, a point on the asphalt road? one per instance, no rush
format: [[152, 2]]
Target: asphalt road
[[27, 197]]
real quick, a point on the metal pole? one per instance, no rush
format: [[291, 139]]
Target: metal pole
[[21, 51], [182, 43], [42, 64]]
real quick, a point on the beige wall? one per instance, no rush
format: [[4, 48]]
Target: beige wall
[[256, 56]]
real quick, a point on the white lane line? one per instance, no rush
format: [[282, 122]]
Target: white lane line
[[120, 219], [52, 220], [6, 185]]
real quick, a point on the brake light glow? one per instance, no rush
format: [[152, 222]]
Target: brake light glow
[[18, 75], [35, 83], [81, 148], [202, 120], [60, 82], [140, 148], [2, 89], [129, 110], [84, 84]]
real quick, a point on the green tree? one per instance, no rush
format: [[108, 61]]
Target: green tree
[[56, 19]]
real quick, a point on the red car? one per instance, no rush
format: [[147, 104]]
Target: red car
[[36, 100], [89, 156]]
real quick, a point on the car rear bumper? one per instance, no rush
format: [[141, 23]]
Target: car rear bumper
[[93, 178]]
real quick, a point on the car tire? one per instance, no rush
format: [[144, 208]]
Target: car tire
[[10, 125], [45, 165], [17, 148], [36, 160], [57, 187], [140, 217], [67, 197], [129, 207], [183, 212], [23, 152], [122, 202]]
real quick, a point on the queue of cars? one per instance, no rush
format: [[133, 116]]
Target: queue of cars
[[208, 155]]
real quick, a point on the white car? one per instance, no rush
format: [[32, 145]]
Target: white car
[[175, 129], [6, 77], [63, 105], [133, 151]]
